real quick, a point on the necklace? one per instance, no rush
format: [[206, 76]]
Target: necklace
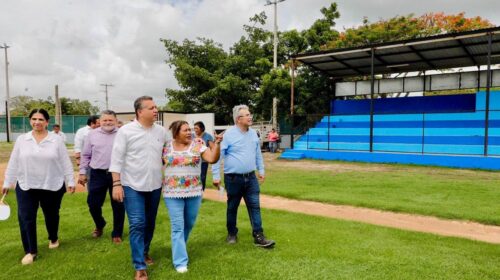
[[181, 146]]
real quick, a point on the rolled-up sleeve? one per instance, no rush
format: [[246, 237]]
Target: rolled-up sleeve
[[216, 166]]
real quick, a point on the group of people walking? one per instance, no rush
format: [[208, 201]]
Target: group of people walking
[[137, 165]]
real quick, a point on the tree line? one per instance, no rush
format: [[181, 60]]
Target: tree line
[[22, 106]]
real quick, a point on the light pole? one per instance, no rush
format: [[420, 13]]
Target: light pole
[[106, 91], [275, 54], [7, 94]]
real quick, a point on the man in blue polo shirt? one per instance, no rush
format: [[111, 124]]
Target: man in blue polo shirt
[[240, 150]]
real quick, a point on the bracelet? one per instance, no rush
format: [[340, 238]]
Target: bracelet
[[116, 181], [118, 185]]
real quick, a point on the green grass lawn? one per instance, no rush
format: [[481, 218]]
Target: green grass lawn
[[5, 149], [307, 248], [442, 192]]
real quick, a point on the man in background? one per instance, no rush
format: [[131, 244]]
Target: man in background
[[56, 129], [81, 134]]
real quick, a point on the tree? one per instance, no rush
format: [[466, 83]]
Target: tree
[[77, 107], [405, 27], [322, 32], [214, 80], [211, 79], [23, 105]]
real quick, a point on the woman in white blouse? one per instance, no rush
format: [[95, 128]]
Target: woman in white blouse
[[39, 167]]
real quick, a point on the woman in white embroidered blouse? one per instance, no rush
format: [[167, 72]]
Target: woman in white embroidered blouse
[[182, 187], [38, 168]]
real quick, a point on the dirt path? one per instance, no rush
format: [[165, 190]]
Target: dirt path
[[470, 230]]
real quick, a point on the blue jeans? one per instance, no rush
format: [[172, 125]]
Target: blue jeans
[[141, 208], [273, 146], [183, 213], [247, 187]]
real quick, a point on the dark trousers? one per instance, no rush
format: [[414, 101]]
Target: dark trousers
[[203, 175], [244, 186], [101, 183], [27, 208]]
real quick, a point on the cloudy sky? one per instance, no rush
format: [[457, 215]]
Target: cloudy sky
[[82, 44]]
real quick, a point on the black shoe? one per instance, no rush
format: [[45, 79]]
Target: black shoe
[[231, 239], [260, 241], [97, 232]]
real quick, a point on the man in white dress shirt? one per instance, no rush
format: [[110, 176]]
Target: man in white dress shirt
[[136, 169], [81, 134], [56, 129]]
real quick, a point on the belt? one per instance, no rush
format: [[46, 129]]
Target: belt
[[100, 170], [244, 175]]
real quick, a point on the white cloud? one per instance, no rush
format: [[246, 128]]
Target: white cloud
[[81, 44]]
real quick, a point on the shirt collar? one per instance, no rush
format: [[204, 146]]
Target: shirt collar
[[106, 132], [29, 136], [143, 127], [242, 131]]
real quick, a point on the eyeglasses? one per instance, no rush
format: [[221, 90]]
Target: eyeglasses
[[246, 116]]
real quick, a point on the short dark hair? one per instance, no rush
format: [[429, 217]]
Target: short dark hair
[[201, 125], [92, 120], [138, 103], [40, 111], [56, 125], [175, 127]]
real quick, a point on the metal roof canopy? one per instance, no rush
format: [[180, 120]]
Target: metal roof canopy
[[461, 49], [452, 50]]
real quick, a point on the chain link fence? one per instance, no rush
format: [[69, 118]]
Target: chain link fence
[[70, 124]]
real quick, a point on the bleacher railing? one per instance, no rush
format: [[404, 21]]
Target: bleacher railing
[[429, 133]]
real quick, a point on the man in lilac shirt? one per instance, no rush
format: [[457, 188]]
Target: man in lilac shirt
[[96, 156]]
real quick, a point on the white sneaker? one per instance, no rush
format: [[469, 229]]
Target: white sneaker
[[28, 259], [182, 269], [53, 245]]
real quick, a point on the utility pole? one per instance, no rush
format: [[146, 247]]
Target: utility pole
[[106, 91], [7, 94], [275, 55], [275, 37], [58, 107]]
